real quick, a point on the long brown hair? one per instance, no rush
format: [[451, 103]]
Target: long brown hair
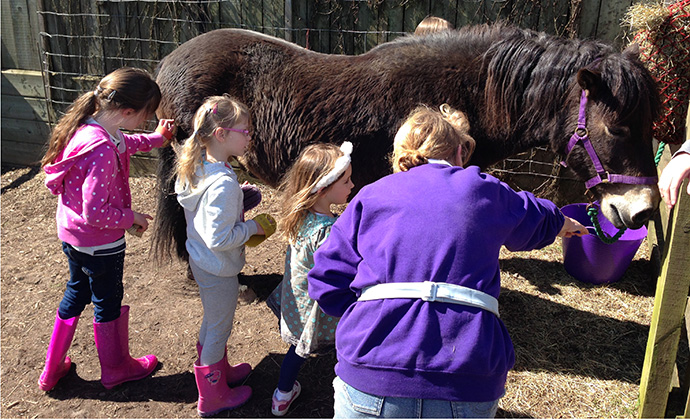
[[216, 111], [431, 134], [313, 163], [124, 88]]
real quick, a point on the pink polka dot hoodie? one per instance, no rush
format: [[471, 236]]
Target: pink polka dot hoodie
[[91, 179]]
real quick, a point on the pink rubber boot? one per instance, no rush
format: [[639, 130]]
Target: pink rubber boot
[[112, 343], [234, 374], [57, 362], [214, 393]]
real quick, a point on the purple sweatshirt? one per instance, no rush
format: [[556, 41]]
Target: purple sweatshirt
[[91, 178], [435, 223]]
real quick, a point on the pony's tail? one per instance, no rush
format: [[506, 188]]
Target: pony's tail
[[170, 228]]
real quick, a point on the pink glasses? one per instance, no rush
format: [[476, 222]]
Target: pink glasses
[[237, 130]]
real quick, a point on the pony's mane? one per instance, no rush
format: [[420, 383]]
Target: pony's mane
[[631, 85], [529, 75]]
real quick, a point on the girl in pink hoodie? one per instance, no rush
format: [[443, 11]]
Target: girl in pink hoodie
[[87, 167]]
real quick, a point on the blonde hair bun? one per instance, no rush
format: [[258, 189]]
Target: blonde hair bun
[[431, 134]]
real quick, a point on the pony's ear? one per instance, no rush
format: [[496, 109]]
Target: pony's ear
[[632, 51], [589, 81]]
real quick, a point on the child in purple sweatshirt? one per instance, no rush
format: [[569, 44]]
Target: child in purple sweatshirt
[[412, 269]]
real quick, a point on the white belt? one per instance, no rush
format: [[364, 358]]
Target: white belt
[[431, 292]]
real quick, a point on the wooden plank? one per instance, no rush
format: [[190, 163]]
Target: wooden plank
[[445, 9], [21, 108], [212, 16], [164, 29], [669, 307], [21, 153], [56, 46], [370, 23], [320, 39], [91, 49], [553, 18], [589, 18], [18, 29], [300, 20], [525, 14], [25, 131], [17, 82], [470, 12], [345, 38], [190, 26], [658, 224], [414, 12], [497, 10], [392, 19], [287, 13], [610, 15], [252, 15], [131, 46], [231, 13], [685, 385], [147, 50], [112, 26], [274, 17], [337, 24]]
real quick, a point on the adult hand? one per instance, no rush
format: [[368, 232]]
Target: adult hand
[[672, 177]]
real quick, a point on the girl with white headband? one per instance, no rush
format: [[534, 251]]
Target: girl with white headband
[[321, 177]]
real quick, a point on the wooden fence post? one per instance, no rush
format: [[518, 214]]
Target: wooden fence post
[[669, 307]]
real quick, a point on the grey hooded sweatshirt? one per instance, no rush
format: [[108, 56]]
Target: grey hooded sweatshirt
[[216, 232]]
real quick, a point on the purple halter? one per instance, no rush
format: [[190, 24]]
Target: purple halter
[[582, 134]]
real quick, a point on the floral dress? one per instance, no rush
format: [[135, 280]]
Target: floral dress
[[302, 323]]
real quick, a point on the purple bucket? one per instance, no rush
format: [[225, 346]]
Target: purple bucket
[[590, 260]]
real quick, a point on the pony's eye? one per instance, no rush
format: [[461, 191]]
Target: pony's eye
[[620, 132]]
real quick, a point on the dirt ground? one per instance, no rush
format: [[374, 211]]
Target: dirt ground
[[580, 347]]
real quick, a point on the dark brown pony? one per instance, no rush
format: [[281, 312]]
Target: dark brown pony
[[519, 89]]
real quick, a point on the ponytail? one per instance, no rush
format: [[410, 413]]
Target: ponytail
[[189, 156], [76, 115]]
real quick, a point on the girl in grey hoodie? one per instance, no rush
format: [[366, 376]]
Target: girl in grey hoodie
[[208, 190]]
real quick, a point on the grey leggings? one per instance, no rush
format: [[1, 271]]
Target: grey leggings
[[219, 299]]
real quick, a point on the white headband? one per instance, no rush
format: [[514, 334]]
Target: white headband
[[340, 165]]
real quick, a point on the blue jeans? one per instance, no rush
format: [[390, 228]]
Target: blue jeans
[[353, 404], [93, 279]]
